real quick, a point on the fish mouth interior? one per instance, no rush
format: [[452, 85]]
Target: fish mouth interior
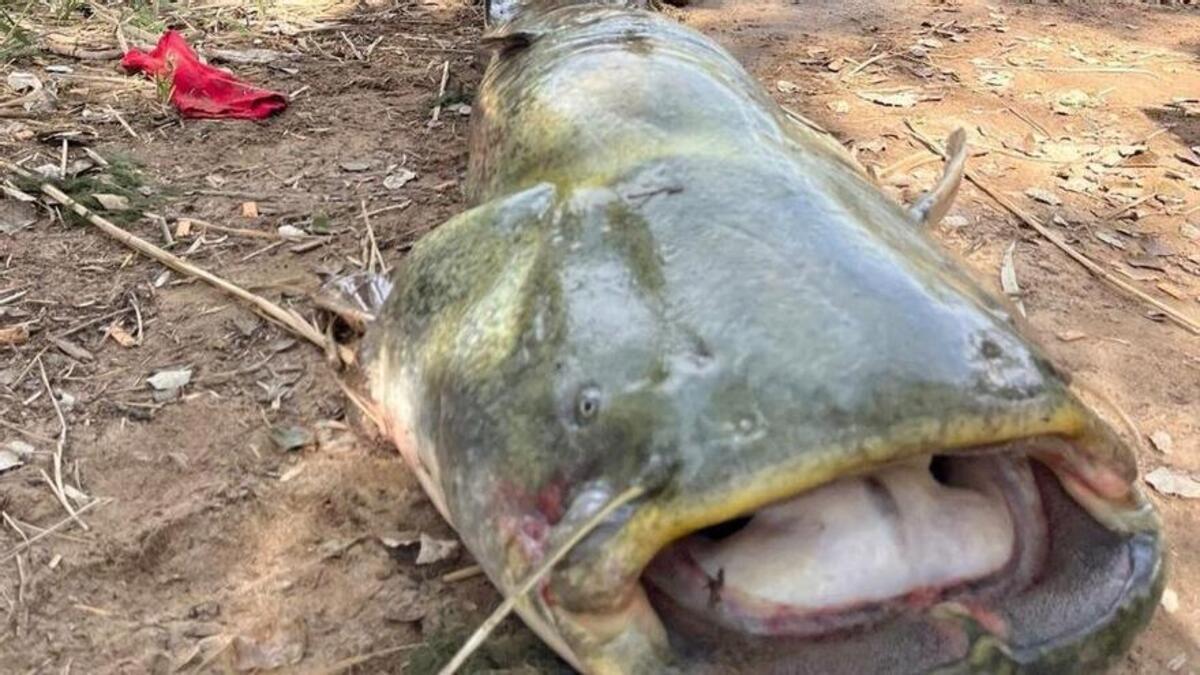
[[851, 575]]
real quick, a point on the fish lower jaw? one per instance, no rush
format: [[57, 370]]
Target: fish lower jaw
[[967, 561], [858, 550]]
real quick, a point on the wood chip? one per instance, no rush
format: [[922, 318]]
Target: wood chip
[[183, 228], [249, 209], [1071, 335], [14, 335]]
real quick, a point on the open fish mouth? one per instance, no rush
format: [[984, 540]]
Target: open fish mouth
[[990, 559]]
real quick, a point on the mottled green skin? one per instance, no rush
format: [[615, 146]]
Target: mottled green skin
[[666, 283]]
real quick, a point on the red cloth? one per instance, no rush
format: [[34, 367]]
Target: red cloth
[[199, 90]]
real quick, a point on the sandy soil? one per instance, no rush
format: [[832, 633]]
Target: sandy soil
[[214, 550]]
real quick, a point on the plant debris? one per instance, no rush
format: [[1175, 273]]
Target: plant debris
[[1175, 483]]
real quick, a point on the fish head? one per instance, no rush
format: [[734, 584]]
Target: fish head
[[851, 456]]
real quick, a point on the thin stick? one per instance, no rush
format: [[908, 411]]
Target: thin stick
[[20, 548], [279, 314], [241, 232], [348, 663], [463, 574], [1050, 69], [56, 485], [24, 432], [374, 259], [1175, 315], [437, 110], [124, 124], [485, 629], [357, 54], [859, 68]]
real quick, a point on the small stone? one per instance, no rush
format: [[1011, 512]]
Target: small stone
[[1170, 601]]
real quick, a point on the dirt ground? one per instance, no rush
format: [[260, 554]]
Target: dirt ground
[[209, 548]]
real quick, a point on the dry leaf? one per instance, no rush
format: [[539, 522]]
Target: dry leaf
[[839, 106], [9, 460], [1175, 483], [899, 99], [1043, 196], [1109, 238], [14, 335], [291, 232], [999, 79], [121, 336], [356, 167], [111, 202], [399, 179], [249, 209], [1162, 442], [436, 550], [71, 349], [16, 215], [165, 380]]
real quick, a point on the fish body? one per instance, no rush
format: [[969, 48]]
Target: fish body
[[853, 460]]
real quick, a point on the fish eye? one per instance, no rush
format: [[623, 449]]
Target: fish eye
[[587, 404]]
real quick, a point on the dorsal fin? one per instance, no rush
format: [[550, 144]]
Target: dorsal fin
[[933, 205]]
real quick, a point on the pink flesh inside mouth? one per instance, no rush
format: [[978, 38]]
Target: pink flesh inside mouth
[[864, 548]]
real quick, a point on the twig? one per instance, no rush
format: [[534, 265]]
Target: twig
[[1028, 120], [469, 572], [348, 663], [357, 54], [128, 129], [510, 602], [241, 232], [1175, 315], [393, 207], [288, 319], [91, 322], [1050, 69], [437, 110], [56, 485], [137, 312], [20, 548], [859, 68], [1121, 210], [374, 259], [24, 432]]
